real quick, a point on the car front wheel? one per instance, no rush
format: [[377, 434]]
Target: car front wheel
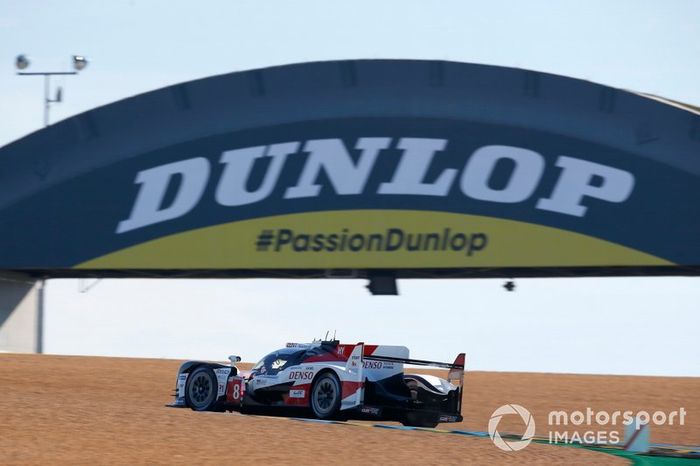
[[201, 390], [326, 395]]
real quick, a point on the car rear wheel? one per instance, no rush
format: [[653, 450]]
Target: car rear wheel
[[326, 395], [417, 419], [201, 390]]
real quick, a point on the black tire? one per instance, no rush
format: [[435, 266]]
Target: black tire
[[201, 389], [325, 396], [414, 419]]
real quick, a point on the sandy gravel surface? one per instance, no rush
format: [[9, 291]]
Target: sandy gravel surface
[[80, 410]]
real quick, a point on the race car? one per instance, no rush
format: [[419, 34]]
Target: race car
[[330, 380]]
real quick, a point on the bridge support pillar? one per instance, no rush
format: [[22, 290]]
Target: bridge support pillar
[[21, 314]]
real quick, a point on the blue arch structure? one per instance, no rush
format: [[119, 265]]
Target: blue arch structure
[[424, 168]]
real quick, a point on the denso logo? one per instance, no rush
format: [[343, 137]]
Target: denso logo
[[301, 375], [577, 179], [372, 364]]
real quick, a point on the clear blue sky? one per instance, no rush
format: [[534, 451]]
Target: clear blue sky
[[635, 326]]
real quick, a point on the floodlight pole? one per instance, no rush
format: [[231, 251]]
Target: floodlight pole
[[47, 87]]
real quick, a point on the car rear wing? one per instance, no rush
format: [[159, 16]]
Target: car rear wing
[[456, 368], [355, 371], [457, 365]]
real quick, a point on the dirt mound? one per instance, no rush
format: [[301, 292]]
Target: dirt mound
[[79, 410]]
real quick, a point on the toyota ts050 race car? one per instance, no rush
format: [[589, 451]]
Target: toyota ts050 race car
[[332, 380]]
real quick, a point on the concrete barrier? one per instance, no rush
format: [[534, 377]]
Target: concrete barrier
[[21, 314]]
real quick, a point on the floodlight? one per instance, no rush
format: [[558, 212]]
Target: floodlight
[[21, 62], [79, 62], [382, 284]]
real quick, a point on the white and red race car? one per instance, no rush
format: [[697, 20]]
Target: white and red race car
[[333, 380]]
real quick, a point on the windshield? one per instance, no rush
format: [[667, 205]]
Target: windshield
[[278, 360]]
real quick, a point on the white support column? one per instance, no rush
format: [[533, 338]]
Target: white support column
[[21, 314]]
